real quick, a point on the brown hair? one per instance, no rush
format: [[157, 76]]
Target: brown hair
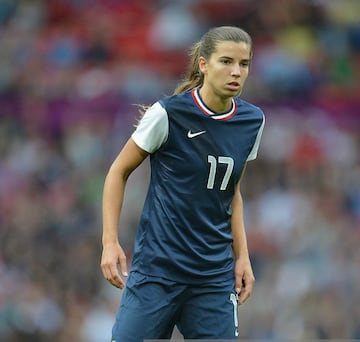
[[205, 48]]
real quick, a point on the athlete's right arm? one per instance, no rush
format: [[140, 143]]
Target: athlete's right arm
[[130, 157]]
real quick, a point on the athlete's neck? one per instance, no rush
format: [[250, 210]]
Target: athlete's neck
[[215, 102]]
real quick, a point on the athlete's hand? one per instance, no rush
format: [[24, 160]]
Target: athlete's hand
[[112, 256], [244, 279]]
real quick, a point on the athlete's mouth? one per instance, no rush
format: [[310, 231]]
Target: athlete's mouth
[[233, 85]]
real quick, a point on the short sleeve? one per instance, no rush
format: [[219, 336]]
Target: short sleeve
[[153, 129], [254, 150]]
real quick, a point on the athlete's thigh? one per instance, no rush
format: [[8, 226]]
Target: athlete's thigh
[[146, 310], [210, 312]]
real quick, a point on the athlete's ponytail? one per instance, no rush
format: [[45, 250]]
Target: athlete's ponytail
[[194, 77], [205, 48]]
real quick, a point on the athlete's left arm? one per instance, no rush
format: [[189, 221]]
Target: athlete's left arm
[[244, 277]]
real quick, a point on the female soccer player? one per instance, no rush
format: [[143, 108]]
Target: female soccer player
[[191, 264]]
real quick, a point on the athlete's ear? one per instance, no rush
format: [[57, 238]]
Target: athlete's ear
[[203, 65]]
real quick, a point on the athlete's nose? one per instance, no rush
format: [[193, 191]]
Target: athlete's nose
[[236, 70]]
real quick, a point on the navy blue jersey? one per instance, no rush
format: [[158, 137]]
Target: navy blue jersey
[[184, 232]]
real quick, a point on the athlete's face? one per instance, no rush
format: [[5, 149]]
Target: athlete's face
[[226, 70]]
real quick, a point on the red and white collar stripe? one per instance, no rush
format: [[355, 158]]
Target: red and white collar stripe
[[222, 116]]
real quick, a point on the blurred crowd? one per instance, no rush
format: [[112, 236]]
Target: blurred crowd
[[71, 74]]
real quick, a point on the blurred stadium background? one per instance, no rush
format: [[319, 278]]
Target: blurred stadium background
[[70, 74]]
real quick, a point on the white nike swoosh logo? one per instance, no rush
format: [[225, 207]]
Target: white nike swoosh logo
[[194, 134]]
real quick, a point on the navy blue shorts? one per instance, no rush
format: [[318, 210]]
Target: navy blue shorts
[[151, 307]]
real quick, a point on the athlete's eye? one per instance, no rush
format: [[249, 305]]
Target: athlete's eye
[[226, 61]]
